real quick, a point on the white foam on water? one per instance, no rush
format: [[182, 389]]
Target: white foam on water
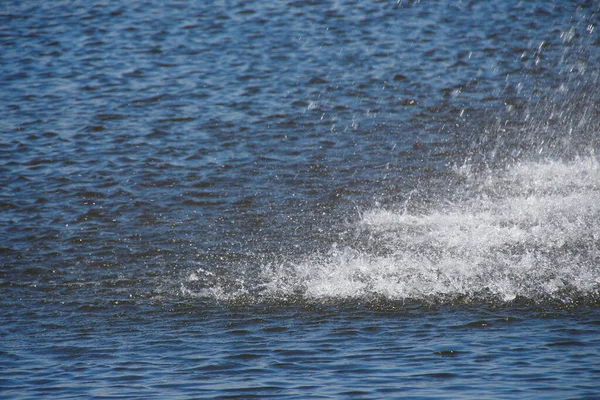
[[531, 230]]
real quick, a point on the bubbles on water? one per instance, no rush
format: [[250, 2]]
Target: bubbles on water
[[531, 230]]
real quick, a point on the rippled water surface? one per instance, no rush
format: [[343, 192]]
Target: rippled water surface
[[297, 199]]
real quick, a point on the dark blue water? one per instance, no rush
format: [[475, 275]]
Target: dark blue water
[[335, 199]]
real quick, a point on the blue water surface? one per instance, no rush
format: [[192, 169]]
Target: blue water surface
[[299, 199]]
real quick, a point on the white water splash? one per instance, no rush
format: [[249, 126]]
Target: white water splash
[[532, 230]]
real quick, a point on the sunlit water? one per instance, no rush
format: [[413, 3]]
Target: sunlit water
[[391, 199]]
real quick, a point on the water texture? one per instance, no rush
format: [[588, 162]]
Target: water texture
[[298, 199]]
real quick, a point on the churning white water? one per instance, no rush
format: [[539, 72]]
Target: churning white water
[[530, 230]]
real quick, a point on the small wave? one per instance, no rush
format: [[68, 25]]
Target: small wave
[[529, 231]]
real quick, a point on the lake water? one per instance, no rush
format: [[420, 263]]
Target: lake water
[[300, 199]]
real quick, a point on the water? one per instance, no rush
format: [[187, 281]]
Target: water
[[346, 199]]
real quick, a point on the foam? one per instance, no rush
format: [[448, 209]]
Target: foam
[[530, 230]]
